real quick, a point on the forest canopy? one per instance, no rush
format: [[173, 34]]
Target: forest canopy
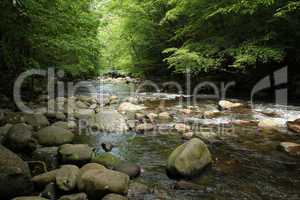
[[146, 37]]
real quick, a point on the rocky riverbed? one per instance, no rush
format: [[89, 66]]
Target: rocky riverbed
[[116, 144]]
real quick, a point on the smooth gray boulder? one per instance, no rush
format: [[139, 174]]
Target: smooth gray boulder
[[15, 178], [54, 136], [189, 159]]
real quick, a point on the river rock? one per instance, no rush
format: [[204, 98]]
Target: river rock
[[107, 147], [189, 159], [268, 125], [48, 155], [84, 113], [37, 121], [79, 196], [97, 181], [145, 127], [54, 136], [294, 126], [15, 178], [75, 153], [107, 159], [228, 105], [137, 191], [188, 135], [3, 132], [152, 117], [19, 139], [64, 177], [114, 197], [65, 125], [165, 116], [49, 192], [110, 121], [129, 107], [182, 128], [30, 198], [211, 114], [292, 149], [132, 170]]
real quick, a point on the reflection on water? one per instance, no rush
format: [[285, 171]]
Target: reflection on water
[[247, 165]]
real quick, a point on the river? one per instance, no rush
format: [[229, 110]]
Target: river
[[247, 162]]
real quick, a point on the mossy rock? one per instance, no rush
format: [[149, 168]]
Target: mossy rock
[[108, 160]]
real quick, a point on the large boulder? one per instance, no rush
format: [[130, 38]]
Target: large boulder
[[37, 121], [54, 136], [98, 181], [75, 153], [64, 177], [189, 159], [15, 178], [19, 139], [129, 107], [109, 121]]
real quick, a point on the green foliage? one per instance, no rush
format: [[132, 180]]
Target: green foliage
[[56, 33], [205, 35]]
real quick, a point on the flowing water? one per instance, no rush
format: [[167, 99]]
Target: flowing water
[[247, 162]]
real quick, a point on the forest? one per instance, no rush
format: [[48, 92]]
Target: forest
[[149, 99], [149, 37]]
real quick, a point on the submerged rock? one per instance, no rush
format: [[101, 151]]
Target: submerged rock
[[15, 178], [54, 136], [107, 159], [292, 149], [189, 159], [75, 153], [132, 170]]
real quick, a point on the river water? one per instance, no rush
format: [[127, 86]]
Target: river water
[[247, 162]]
